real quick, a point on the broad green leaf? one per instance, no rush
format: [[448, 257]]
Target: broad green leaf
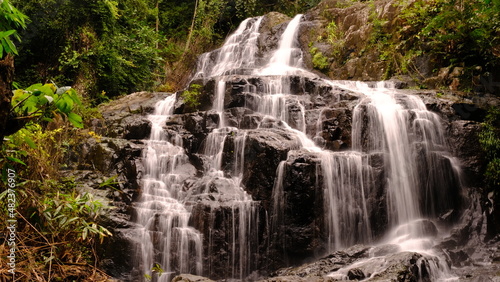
[[74, 96], [34, 87], [75, 119], [42, 100], [19, 95], [63, 106], [51, 86], [6, 45], [68, 101], [30, 105]]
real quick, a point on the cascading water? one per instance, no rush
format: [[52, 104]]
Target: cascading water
[[394, 138], [237, 55], [164, 235]]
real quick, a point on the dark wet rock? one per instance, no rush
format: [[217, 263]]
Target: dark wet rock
[[458, 258], [115, 255], [334, 128], [126, 117], [321, 267], [264, 149], [271, 28], [218, 218], [203, 95], [290, 227], [465, 145], [355, 274], [298, 224], [240, 117], [468, 111]]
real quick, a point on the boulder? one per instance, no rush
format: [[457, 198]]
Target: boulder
[[190, 278]]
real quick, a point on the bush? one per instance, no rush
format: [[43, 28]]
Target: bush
[[191, 97]]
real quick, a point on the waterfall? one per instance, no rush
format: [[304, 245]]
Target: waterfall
[[236, 55], [164, 235], [399, 156], [288, 57]]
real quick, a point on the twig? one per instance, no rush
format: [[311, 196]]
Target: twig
[[45, 238], [50, 259]]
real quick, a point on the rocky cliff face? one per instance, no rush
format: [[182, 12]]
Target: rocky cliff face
[[303, 212], [297, 232], [371, 41]]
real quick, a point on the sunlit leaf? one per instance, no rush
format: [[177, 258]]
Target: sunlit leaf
[[30, 142], [62, 90], [75, 119], [49, 98]]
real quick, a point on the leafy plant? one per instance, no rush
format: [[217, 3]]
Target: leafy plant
[[335, 38], [191, 96], [489, 138], [319, 61], [10, 21], [44, 102], [155, 269], [457, 31], [72, 216], [111, 182]]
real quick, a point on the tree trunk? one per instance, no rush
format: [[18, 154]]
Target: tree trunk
[[157, 20], [191, 29], [6, 77]]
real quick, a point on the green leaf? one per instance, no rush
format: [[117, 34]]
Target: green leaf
[[4, 34], [19, 95], [30, 105], [34, 87], [16, 160], [74, 96], [30, 142], [72, 219], [63, 106], [75, 119]]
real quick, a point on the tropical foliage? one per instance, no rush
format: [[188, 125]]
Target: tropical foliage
[[11, 20], [124, 46], [43, 102]]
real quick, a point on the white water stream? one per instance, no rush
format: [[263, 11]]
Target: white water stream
[[165, 238]]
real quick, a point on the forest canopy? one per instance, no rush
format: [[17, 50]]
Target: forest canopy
[[106, 48]]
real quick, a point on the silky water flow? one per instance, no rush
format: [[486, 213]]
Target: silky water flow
[[388, 126]]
